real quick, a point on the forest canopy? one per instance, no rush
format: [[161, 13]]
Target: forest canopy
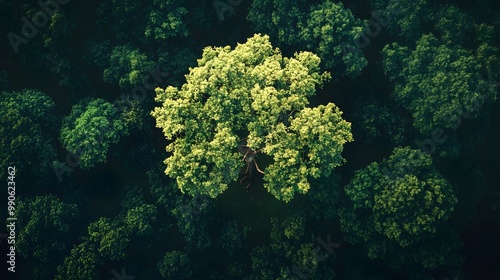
[[250, 139]]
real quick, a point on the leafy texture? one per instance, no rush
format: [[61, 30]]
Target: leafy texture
[[92, 126], [127, 67], [175, 265], [290, 255], [327, 29], [399, 206], [27, 119], [404, 18], [438, 84], [250, 92], [335, 34], [45, 224]]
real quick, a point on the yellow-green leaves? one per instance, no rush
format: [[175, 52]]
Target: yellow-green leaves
[[250, 92], [309, 148]]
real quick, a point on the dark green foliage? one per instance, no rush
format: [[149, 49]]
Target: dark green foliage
[[28, 120], [59, 31], [140, 20], [377, 121], [48, 49], [82, 263], [194, 219], [289, 16], [334, 34], [163, 189], [166, 20], [112, 238], [92, 126], [323, 198], [438, 84], [406, 17], [133, 114], [458, 28], [327, 29], [291, 254], [397, 207], [124, 19], [175, 265], [140, 220], [176, 62], [109, 239], [128, 67], [45, 226], [232, 238], [97, 55]]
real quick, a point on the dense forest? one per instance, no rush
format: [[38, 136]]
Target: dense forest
[[250, 139]]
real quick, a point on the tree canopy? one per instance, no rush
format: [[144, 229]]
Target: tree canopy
[[250, 92], [45, 224], [291, 254], [395, 206], [438, 84], [328, 29], [175, 265], [127, 67], [228, 139], [92, 126], [405, 17], [28, 118]]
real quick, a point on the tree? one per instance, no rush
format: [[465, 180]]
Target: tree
[[232, 239], [44, 236], [111, 236], [90, 129], [163, 189], [127, 67], [334, 34], [290, 255], [195, 218], [458, 28], [453, 25], [28, 118], [438, 84], [96, 55], [327, 29], [138, 20], [123, 19], [322, 200], [166, 20], [175, 265], [59, 53], [109, 239], [50, 51], [140, 220], [397, 207], [405, 17], [282, 20], [83, 262], [244, 102]]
